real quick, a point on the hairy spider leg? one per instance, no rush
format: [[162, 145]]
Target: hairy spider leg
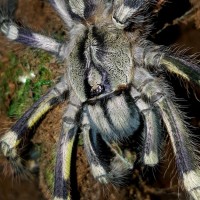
[[152, 130], [106, 163], [182, 68], [174, 64], [26, 36], [61, 7], [12, 138], [129, 14], [65, 146], [92, 148], [72, 11], [8, 8], [184, 151], [117, 124]]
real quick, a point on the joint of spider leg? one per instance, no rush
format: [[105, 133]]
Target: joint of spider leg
[[61, 53], [157, 96], [132, 15], [118, 23], [153, 59], [10, 154]]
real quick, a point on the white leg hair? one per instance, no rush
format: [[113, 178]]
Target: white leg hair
[[61, 7], [65, 147], [97, 168], [11, 139], [152, 129], [27, 37], [157, 93], [106, 163]]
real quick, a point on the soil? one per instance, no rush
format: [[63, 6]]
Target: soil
[[159, 183]]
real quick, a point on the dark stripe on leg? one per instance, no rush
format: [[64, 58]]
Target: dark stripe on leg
[[186, 159], [63, 163], [107, 162], [53, 97], [65, 147], [28, 37], [152, 130]]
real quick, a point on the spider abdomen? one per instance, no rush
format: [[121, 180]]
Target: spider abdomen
[[115, 118]]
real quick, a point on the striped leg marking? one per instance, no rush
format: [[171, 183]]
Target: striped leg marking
[[151, 130], [61, 8], [174, 64], [63, 162], [10, 140], [70, 10], [64, 152], [27, 37], [182, 68], [184, 151], [99, 169], [185, 156], [117, 124], [106, 163]]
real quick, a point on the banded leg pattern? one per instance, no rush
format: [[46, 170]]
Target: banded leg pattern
[[92, 147], [184, 151], [107, 161], [61, 8], [12, 138], [181, 66], [64, 152], [26, 36], [152, 130]]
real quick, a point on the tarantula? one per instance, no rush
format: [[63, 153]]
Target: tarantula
[[115, 90]]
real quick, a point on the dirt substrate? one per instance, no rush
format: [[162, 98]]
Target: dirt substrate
[[159, 183]]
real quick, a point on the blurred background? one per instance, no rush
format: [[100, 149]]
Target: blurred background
[[176, 22]]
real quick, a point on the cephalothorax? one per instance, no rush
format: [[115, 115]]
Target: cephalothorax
[[114, 88]]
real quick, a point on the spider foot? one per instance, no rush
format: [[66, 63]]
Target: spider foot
[[151, 159], [8, 143], [99, 173], [191, 182], [14, 165]]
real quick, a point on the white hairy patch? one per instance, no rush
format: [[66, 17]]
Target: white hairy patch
[[99, 173], [125, 12], [46, 43], [151, 159], [61, 7], [101, 123], [122, 14], [117, 24], [77, 7], [191, 182], [8, 141], [10, 30]]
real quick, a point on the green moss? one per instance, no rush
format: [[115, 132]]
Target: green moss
[[18, 96]]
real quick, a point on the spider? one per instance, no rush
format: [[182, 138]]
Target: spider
[[115, 87]]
